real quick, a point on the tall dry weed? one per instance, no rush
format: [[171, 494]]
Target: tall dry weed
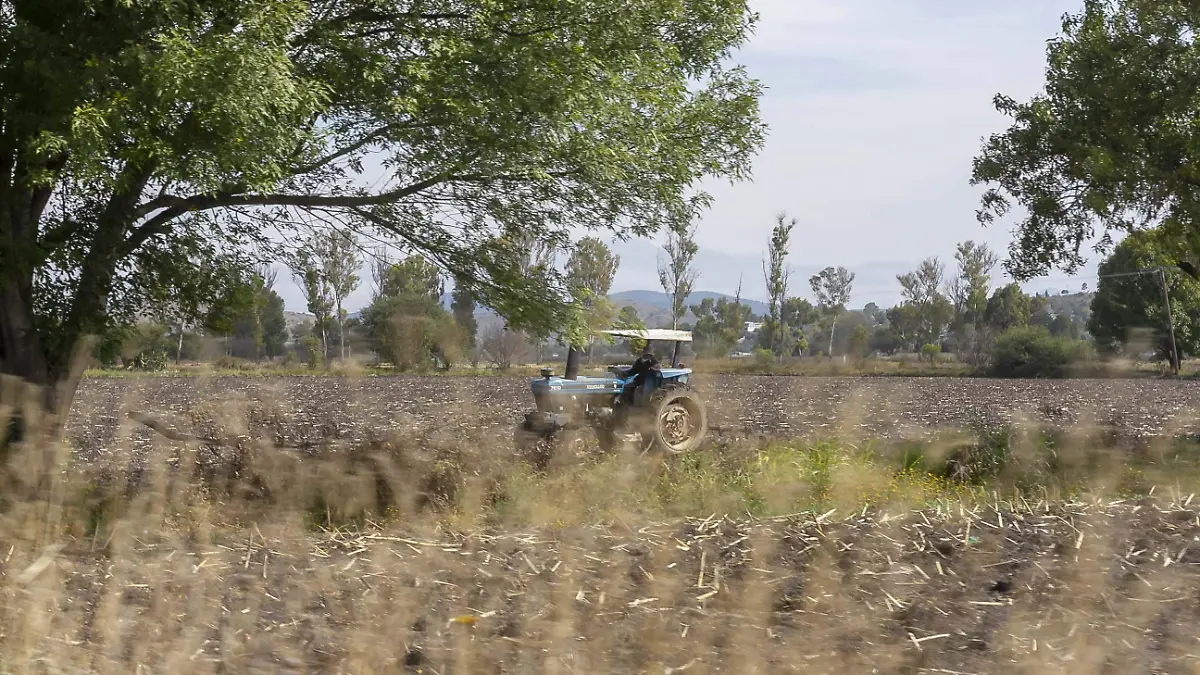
[[245, 548]]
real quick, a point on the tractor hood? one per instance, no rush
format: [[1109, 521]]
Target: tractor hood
[[582, 385], [605, 384]]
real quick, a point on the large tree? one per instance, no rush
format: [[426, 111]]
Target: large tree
[[318, 297], [969, 289], [831, 286], [968, 292], [1129, 298], [922, 290], [720, 324], [406, 320], [141, 144], [1110, 146], [1009, 307]]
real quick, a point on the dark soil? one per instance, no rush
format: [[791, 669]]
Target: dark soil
[[298, 410]]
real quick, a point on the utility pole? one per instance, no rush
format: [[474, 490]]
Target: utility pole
[[1162, 277]]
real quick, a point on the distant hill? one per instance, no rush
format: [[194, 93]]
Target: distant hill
[[654, 307], [1075, 305], [294, 319]]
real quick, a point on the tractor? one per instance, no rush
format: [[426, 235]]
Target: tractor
[[645, 400]]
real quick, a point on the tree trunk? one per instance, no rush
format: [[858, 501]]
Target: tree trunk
[[832, 330], [321, 320], [341, 331], [20, 347]]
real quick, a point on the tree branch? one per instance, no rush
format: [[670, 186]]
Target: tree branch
[[350, 149]]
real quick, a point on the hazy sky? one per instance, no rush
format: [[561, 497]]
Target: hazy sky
[[876, 109]]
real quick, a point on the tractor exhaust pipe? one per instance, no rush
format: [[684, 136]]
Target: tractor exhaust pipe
[[572, 364]]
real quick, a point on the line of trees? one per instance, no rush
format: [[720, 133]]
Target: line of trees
[[957, 311], [407, 324]]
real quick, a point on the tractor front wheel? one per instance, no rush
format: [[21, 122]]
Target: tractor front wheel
[[548, 450], [679, 420]]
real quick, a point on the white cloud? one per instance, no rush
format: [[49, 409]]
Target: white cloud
[[876, 109], [876, 163]]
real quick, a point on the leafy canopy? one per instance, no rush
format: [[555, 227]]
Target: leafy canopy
[[1111, 146], [1131, 302], [144, 144]]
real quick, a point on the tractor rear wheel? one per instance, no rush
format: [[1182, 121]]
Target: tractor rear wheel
[[677, 420]]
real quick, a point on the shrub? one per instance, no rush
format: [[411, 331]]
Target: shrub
[[1031, 351], [930, 352], [763, 357], [227, 362], [310, 347]]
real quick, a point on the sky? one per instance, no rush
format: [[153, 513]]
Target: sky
[[875, 110]]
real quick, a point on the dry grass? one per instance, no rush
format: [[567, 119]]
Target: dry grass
[[1033, 550]]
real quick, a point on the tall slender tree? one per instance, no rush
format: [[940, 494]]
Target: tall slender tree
[[776, 274], [314, 286], [337, 254], [677, 272]]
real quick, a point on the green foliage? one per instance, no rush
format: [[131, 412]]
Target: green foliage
[[720, 325], [146, 145], [1031, 351], [677, 274], [628, 319], [1123, 304], [1008, 307], [763, 357], [145, 346], [802, 345], [1107, 145], [462, 305], [832, 289], [903, 328], [886, 340], [234, 297], [930, 352], [590, 273], [775, 275], [969, 290], [335, 256], [860, 339], [312, 352], [274, 326], [406, 321], [928, 311], [592, 267], [259, 327]]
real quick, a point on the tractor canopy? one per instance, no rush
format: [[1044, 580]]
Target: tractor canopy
[[651, 334]]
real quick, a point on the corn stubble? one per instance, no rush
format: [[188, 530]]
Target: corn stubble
[[232, 548]]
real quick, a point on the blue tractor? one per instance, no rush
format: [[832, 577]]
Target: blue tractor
[[656, 404]]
